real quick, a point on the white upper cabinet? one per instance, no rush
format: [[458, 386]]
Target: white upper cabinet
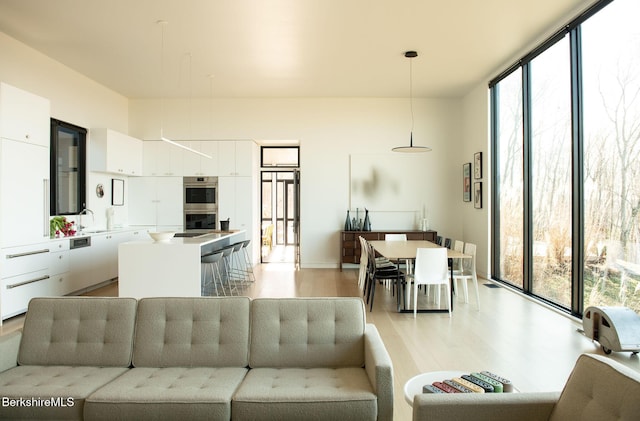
[[114, 152], [24, 116], [236, 157], [198, 165], [161, 159]]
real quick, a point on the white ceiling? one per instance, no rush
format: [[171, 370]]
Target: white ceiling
[[283, 48]]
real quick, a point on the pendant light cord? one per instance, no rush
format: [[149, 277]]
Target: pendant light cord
[[162, 24], [411, 96]]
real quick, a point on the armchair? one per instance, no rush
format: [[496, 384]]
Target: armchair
[[597, 389]]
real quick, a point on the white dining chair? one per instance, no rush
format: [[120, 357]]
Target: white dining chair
[[457, 263], [431, 268], [395, 237], [468, 272], [407, 262]]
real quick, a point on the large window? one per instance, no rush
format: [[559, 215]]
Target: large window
[[551, 173], [611, 62], [566, 140], [509, 133]]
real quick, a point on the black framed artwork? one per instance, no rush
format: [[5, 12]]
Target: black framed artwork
[[477, 165], [466, 182], [477, 195]]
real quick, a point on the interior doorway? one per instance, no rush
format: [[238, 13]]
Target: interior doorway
[[280, 209]]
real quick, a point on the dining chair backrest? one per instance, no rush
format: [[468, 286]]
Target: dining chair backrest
[[364, 261], [431, 266], [470, 264], [438, 240], [447, 243], [395, 237], [363, 250], [458, 246]]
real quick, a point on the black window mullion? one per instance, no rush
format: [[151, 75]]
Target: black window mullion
[[527, 235], [495, 180], [577, 137]]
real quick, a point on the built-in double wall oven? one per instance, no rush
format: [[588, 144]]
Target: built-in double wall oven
[[200, 203]]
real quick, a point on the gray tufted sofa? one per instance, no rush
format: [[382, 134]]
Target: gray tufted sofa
[[227, 358]]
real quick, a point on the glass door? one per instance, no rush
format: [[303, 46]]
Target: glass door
[[280, 221]]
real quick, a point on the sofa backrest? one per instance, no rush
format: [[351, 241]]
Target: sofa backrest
[[78, 331], [599, 389], [307, 332], [187, 332]]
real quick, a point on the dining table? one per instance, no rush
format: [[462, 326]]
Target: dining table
[[397, 251]]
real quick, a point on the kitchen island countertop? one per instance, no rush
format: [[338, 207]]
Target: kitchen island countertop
[[148, 268]]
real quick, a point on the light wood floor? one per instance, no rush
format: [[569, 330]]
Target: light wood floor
[[533, 346]]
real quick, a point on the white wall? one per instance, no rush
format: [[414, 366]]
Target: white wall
[[75, 99], [329, 131], [476, 222]]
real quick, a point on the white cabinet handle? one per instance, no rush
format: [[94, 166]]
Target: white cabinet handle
[[46, 226]]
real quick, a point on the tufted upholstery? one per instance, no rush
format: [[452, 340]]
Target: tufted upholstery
[[190, 355], [57, 382], [78, 331], [170, 393], [188, 332], [312, 332], [598, 389], [307, 358], [189, 358]]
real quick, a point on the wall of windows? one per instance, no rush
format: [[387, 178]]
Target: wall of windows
[[566, 141]]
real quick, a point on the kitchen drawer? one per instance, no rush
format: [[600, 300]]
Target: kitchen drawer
[[59, 262], [18, 290], [24, 259], [59, 245]]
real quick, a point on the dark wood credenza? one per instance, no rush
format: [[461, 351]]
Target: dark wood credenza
[[350, 244]]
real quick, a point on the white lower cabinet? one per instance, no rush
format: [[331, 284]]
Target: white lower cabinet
[[25, 274], [18, 290]]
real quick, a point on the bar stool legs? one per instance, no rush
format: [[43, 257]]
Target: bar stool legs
[[210, 284]]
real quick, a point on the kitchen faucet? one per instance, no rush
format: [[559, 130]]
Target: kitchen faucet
[[85, 211]]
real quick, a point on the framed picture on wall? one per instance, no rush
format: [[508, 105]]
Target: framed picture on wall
[[466, 182], [117, 192], [477, 195], [477, 165]]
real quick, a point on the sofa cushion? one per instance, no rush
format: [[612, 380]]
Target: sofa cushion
[[307, 332], [599, 389], [78, 331], [177, 393], [189, 332], [33, 385], [305, 394]]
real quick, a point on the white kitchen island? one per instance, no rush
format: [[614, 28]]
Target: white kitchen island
[[167, 268]]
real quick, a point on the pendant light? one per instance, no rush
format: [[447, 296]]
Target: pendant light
[[411, 148], [162, 24]]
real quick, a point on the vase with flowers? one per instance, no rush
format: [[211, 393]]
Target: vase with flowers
[[60, 226]]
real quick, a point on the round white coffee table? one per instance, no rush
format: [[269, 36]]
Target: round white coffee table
[[414, 385]]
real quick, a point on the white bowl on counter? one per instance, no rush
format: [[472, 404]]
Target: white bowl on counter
[[162, 235]]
